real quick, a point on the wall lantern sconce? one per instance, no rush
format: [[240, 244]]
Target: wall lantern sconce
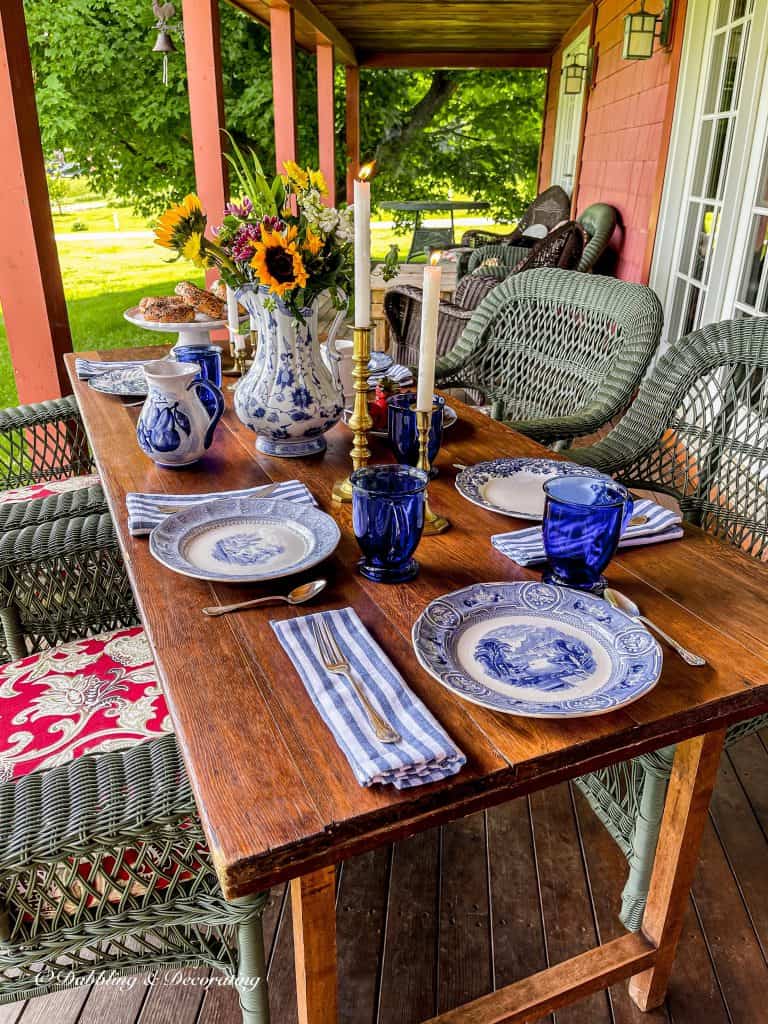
[[577, 71], [642, 29]]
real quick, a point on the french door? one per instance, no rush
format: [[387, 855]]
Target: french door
[[568, 126], [710, 256]]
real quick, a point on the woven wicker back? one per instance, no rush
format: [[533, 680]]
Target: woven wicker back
[[549, 208], [700, 428], [546, 342]]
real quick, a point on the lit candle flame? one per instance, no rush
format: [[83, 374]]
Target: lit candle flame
[[366, 171], [435, 258]]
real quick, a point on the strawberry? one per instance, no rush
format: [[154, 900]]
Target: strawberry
[[378, 407]]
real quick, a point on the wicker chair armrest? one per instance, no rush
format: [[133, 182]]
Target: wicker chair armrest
[[476, 237], [45, 441], [562, 428], [56, 539], [96, 802], [85, 501]]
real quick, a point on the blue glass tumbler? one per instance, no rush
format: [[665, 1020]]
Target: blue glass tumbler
[[403, 435], [208, 358], [388, 517], [584, 517]]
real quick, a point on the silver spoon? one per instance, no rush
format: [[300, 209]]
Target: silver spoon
[[299, 595], [624, 604]]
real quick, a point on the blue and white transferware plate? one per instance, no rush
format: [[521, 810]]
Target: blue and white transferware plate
[[129, 382], [244, 540], [536, 650], [515, 487]]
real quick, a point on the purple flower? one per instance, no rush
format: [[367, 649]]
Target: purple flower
[[243, 209], [242, 247]]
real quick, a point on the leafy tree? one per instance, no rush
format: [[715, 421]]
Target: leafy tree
[[101, 101]]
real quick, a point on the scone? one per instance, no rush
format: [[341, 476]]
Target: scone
[[170, 300], [219, 289], [163, 312]]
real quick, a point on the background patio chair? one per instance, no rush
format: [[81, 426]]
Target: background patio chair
[[556, 354], [103, 861], [698, 430], [599, 221], [402, 308], [549, 208]]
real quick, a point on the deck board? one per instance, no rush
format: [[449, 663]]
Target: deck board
[[485, 891]]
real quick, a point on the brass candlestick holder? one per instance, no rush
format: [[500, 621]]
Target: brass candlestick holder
[[433, 523], [360, 421], [239, 356]]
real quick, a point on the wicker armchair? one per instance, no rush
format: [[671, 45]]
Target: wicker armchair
[[51, 558], [556, 354], [563, 247], [103, 861], [402, 308], [548, 208], [698, 430], [599, 221]]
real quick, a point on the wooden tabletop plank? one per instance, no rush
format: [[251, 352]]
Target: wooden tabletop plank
[[277, 797]]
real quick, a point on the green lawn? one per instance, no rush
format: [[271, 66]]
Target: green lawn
[[103, 277]]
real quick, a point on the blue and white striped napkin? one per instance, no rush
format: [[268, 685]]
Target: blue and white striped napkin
[[87, 368], [146, 511], [526, 547], [396, 372], [426, 753]]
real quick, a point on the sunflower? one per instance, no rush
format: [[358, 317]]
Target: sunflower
[[317, 180], [179, 222], [192, 250], [277, 261], [296, 175], [312, 243]]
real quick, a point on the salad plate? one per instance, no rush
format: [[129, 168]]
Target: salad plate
[[129, 382], [244, 540], [515, 486], [536, 650]]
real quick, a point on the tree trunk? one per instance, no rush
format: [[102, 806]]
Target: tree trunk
[[391, 151]]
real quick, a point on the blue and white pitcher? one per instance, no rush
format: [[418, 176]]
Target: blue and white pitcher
[[176, 424], [289, 397]]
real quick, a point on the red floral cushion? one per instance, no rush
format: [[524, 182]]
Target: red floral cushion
[[46, 488], [96, 694]]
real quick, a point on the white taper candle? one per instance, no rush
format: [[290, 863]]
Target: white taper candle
[[362, 200], [430, 308], [233, 321]]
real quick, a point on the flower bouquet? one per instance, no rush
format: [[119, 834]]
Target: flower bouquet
[[280, 247]]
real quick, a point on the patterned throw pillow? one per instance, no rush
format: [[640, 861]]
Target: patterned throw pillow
[[46, 488]]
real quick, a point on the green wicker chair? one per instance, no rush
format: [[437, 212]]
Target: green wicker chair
[[557, 354], [698, 430], [50, 557], [103, 861], [599, 221]]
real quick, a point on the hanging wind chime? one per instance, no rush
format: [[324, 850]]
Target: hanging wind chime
[[164, 43]]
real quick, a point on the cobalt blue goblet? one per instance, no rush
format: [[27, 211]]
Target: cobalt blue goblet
[[208, 358], [403, 435], [388, 517], [583, 520]]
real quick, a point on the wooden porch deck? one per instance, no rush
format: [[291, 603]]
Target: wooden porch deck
[[447, 915]]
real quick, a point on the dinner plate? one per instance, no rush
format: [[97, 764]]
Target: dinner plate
[[129, 382], [449, 418], [536, 650], [244, 540], [515, 486]]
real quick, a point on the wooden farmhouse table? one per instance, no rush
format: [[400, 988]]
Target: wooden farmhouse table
[[275, 794]]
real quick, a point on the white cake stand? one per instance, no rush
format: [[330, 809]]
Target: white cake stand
[[196, 332]]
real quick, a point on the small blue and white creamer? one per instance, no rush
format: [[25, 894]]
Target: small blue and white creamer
[[176, 424]]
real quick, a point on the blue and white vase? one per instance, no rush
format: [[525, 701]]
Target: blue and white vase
[[289, 397], [180, 414]]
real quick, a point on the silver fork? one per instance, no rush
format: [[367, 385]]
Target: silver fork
[[337, 664]]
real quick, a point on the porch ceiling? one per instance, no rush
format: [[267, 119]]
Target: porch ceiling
[[364, 30]]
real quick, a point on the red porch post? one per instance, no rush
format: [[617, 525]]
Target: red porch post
[[283, 83], [326, 134], [31, 290], [353, 128], [202, 43]]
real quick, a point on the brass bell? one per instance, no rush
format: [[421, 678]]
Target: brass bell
[[163, 43]]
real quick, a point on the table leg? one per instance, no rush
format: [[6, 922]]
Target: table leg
[[685, 814], [313, 907]]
